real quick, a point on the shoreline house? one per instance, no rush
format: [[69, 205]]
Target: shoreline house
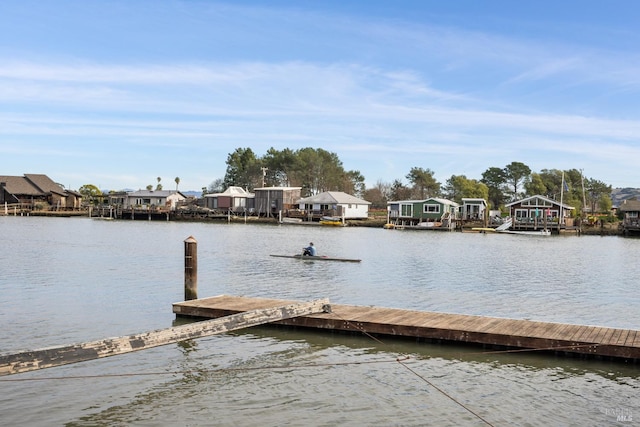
[[434, 213], [37, 191], [473, 209], [152, 199], [233, 199], [271, 201], [630, 210], [335, 204], [540, 212]]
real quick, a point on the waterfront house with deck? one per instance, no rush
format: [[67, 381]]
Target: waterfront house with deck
[[432, 213], [335, 204], [233, 199], [473, 209], [539, 213], [153, 199], [36, 191], [630, 211], [271, 201]]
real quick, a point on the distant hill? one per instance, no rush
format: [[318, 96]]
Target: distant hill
[[620, 194], [192, 193]]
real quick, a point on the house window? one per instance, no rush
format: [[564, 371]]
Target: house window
[[434, 209], [406, 210], [522, 213]]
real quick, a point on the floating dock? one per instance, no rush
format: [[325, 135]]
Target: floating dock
[[559, 338]]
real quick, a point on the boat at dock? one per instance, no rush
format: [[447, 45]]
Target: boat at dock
[[317, 258], [527, 233], [332, 220]]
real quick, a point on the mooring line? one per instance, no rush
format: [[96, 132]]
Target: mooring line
[[401, 362], [205, 371]]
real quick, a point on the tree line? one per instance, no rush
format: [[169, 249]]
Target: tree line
[[317, 170], [314, 170]]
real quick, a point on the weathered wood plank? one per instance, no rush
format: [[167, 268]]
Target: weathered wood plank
[[58, 356]]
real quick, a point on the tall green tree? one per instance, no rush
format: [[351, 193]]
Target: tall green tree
[[399, 191], [598, 195], [91, 193], [494, 178], [516, 174], [279, 165], [317, 170], [535, 185], [243, 169], [459, 186], [424, 183], [354, 183]]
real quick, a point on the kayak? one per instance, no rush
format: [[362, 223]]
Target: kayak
[[317, 258]]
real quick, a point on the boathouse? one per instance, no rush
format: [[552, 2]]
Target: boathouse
[[432, 213], [233, 199], [630, 211], [335, 204], [270, 201], [538, 213]]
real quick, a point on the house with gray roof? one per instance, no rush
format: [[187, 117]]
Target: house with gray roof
[[150, 199], [630, 211], [337, 204]]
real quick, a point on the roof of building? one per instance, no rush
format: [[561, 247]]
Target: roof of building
[[629, 205], [45, 183], [154, 193], [334, 197], [31, 185], [553, 202], [232, 192], [277, 188], [474, 199], [435, 199]]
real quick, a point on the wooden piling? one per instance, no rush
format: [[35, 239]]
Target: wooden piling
[[190, 268]]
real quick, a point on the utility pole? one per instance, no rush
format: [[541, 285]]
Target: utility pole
[[584, 198]]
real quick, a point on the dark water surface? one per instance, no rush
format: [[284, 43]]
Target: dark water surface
[[70, 280]]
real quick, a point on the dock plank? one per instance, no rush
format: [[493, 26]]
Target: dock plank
[[480, 330]]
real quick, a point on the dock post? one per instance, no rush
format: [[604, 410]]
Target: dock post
[[190, 268]]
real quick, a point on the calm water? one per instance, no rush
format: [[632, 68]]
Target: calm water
[[71, 280]]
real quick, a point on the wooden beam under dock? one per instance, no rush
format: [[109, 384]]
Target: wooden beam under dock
[[559, 338]]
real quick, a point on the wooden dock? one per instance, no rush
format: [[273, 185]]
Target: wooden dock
[[559, 338]]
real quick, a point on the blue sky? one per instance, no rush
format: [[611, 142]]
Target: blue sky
[[118, 93]]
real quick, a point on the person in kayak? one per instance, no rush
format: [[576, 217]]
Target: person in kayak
[[309, 250]]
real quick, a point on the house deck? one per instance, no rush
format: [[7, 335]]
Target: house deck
[[592, 341]]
